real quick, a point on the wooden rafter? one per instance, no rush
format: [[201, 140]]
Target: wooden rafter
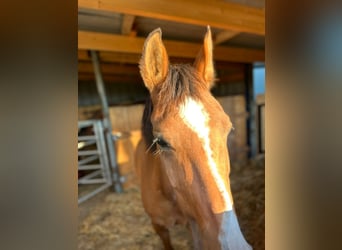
[[116, 57], [109, 68], [135, 78], [111, 78], [127, 25], [224, 36], [123, 59], [134, 45], [224, 15]]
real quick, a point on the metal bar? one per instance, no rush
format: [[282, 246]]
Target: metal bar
[[106, 122], [101, 171], [89, 167], [87, 123], [102, 148], [91, 194], [88, 159], [85, 143], [88, 152], [91, 175], [86, 137], [92, 181]]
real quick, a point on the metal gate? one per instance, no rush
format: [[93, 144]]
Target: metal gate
[[93, 164]]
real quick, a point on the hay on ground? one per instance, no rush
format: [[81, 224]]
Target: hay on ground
[[117, 221]]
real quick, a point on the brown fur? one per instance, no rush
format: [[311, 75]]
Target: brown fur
[[177, 185]]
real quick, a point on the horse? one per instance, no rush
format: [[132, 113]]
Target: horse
[[182, 160]]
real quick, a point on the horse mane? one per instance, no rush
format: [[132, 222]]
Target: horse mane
[[182, 81], [147, 128]]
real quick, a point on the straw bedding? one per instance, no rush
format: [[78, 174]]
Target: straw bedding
[[117, 221]]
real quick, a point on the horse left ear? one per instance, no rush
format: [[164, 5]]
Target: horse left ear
[[204, 60], [154, 63]]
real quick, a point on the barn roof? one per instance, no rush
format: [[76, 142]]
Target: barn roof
[[118, 28]]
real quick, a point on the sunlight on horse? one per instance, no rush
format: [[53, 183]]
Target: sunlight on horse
[[183, 161]]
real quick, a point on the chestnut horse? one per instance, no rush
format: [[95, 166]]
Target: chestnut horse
[[182, 161]]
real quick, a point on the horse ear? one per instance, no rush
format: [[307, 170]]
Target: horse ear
[[154, 63], [204, 60]]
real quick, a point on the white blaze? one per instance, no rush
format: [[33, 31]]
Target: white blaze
[[196, 118]]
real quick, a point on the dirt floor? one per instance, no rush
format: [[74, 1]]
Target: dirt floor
[[111, 221]]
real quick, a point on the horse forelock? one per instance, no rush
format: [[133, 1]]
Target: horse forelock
[[181, 82], [147, 128]]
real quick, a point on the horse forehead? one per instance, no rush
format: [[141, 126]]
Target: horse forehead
[[193, 113], [200, 119], [197, 115]]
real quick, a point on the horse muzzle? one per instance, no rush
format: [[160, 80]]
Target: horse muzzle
[[230, 235]]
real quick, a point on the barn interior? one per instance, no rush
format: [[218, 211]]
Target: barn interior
[[111, 97]]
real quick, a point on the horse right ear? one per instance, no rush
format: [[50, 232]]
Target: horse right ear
[[154, 63], [204, 60]]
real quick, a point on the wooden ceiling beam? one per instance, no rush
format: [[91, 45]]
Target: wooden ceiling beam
[[127, 25], [136, 79], [224, 36], [133, 59], [83, 77], [223, 15], [109, 68], [230, 78], [113, 57], [134, 45]]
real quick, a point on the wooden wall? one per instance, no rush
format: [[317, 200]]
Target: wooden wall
[[235, 107]]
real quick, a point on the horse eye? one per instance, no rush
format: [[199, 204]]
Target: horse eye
[[162, 143]]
